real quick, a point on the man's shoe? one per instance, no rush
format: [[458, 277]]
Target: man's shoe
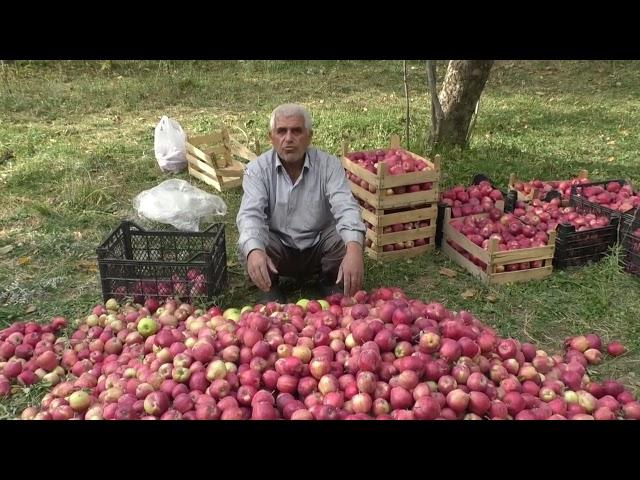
[[275, 294]]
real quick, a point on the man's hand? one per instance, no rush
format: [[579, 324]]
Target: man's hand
[[258, 266], [352, 269]]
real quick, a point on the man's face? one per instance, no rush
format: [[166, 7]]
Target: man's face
[[290, 138]]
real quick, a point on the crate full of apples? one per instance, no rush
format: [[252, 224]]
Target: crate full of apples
[[392, 177], [539, 189], [497, 247], [609, 197], [400, 232], [583, 234]]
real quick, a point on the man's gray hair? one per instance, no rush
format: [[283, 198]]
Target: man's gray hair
[[291, 110]]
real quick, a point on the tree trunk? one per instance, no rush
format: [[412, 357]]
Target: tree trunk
[[463, 85]]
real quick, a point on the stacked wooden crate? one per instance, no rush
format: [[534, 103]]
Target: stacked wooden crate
[[399, 214]]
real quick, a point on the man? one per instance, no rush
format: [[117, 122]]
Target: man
[[298, 215]]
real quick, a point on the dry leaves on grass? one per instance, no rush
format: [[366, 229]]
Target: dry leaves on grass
[[447, 272], [469, 293]]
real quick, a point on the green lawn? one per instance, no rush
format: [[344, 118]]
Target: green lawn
[[76, 145]]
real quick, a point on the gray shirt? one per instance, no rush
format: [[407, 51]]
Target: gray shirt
[[321, 196]]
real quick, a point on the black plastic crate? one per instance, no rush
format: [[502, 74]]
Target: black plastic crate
[[578, 199], [630, 243], [140, 264], [582, 248], [509, 204]]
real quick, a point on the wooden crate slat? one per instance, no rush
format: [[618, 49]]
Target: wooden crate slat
[[210, 159], [407, 199], [395, 237], [521, 275], [360, 171], [451, 233], [199, 154], [464, 262], [204, 178], [201, 166], [385, 202], [386, 219], [230, 171], [384, 180], [399, 254], [241, 151], [523, 255], [230, 182]]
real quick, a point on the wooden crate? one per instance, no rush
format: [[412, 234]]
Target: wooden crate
[[383, 181], [527, 197], [381, 219], [211, 159], [494, 258]]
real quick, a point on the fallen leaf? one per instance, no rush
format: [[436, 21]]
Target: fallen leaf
[[6, 249], [30, 309], [88, 265], [24, 261], [447, 272], [470, 293], [77, 236], [492, 298]]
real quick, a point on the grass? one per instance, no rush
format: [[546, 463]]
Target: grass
[[76, 146]]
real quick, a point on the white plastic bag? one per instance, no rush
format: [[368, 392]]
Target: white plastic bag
[[170, 145], [178, 203]]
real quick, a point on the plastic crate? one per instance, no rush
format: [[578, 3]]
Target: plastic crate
[[630, 258], [578, 199], [140, 264], [509, 204], [535, 193], [581, 248]]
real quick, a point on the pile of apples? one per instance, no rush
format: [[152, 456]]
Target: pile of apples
[[377, 355], [28, 353], [471, 200], [613, 195], [541, 188], [187, 288], [545, 216]]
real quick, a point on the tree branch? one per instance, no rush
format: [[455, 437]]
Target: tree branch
[[437, 115], [473, 123], [406, 94]]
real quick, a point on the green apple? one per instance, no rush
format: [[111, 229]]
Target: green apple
[[246, 308], [232, 314], [302, 303], [147, 326], [324, 303], [79, 401], [112, 304], [229, 311], [180, 374]]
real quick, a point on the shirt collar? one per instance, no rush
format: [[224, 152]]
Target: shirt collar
[[307, 161]]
